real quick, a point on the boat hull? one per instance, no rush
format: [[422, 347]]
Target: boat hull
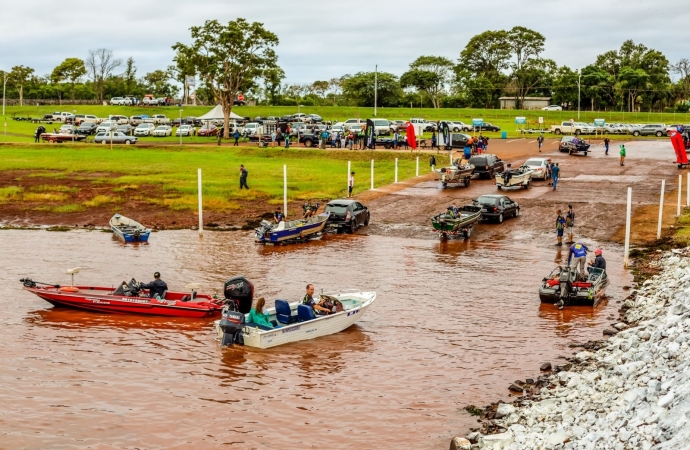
[[129, 230], [452, 226], [582, 297], [303, 231], [98, 299], [301, 331]]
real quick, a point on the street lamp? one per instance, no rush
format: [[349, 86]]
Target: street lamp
[[178, 128], [74, 122], [4, 85], [579, 76]]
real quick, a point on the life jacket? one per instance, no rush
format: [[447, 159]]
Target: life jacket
[[578, 250]]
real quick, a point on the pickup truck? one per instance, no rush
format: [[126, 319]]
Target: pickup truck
[[574, 128], [59, 116], [120, 120], [160, 119], [426, 125]]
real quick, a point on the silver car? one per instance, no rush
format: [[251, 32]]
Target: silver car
[[650, 130], [144, 129], [116, 138]]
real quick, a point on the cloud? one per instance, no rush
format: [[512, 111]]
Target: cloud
[[323, 39]]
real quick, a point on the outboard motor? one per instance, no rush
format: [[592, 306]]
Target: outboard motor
[[565, 281], [264, 227], [241, 291], [231, 322]]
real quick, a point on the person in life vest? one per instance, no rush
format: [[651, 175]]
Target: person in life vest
[[578, 256]]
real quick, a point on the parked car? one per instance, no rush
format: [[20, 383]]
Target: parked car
[[399, 125], [315, 118], [459, 126], [208, 130], [538, 166], [382, 127], [301, 117], [356, 128], [252, 128], [87, 128], [346, 214], [349, 122], [309, 138], [572, 128], [120, 120], [337, 129], [238, 102], [106, 127], [426, 125], [497, 207], [160, 119], [144, 129], [120, 101], [552, 108], [149, 101], [66, 129], [486, 126], [650, 130], [162, 131], [116, 138], [185, 130], [486, 165], [80, 118], [126, 129]]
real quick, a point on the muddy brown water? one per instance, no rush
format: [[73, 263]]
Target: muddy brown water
[[454, 324]]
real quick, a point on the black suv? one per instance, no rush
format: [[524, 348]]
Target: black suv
[[346, 214], [496, 207], [486, 165]]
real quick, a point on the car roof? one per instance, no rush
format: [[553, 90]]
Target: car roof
[[537, 159], [493, 195], [345, 201]]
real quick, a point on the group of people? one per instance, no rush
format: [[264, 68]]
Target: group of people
[[259, 313], [577, 259]]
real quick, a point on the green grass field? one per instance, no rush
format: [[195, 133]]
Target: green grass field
[[172, 173], [23, 131]]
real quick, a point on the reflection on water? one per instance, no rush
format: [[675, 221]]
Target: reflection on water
[[455, 322]]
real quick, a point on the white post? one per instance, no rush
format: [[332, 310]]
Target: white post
[[626, 252], [372, 175], [680, 192], [396, 170], [285, 190], [348, 178], [661, 209], [376, 87], [417, 172], [201, 213], [432, 168]]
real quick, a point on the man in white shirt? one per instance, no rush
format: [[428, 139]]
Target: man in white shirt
[[351, 184]]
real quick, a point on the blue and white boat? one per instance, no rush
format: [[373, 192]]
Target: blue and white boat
[[129, 230], [292, 230]]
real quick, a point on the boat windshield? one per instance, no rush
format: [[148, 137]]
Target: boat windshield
[[336, 208]]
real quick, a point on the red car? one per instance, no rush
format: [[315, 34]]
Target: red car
[[208, 130]]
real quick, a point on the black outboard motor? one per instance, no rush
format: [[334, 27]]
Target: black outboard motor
[[565, 281], [232, 323], [241, 291]]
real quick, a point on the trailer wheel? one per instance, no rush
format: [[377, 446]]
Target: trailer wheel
[[468, 233], [585, 153], [467, 182], [527, 185], [308, 143], [103, 142], [444, 185]]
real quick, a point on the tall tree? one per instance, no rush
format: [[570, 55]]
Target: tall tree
[[335, 86], [564, 86], [157, 82], [273, 77], [526, 45], [229, 58], [682, 68], [19, 77], [320, 87], [100, 64], [428, 74], [360, 88], [70, 70], [536, 74], [129, 78], [487, 54]]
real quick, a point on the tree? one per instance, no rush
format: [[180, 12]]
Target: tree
[[272, 79], [130, 76], [100, 64], [157, 82], [525, 45], [595, 84], [19, 76], [70, 70], [335, 86], [682, 68], [320, 87], [634, 81], [229, 58], [360, 88], [535, 75], [487, 54], [428, 74], [564, 86]]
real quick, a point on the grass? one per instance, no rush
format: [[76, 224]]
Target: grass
[[22, 132], [167, 176]]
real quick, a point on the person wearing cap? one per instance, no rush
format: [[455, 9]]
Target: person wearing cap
[[599, 262], [569, 223], [157, 288], [577, 256]]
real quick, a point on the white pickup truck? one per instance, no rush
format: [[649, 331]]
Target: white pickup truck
[[160, 119], [60, 116], [572, 128], [120, 120]]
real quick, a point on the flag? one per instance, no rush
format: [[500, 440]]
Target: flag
[[678, 146], [411, 138]]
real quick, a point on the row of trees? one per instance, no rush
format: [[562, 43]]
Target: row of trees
[[240, 57]]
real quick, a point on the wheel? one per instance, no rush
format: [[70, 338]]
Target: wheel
[[127, 142], [526, 185], [444, 185], [467, 182], [659, 134], [353, 226], [570, 152], [500, 218], [636, 133], [308, 143], [585, 153], [491, 174], [468, 233], [103, 142], [517, 212], [498, 186], [557, 131], [456, 129], [577, 132], [366, 221]]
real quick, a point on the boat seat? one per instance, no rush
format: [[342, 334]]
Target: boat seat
[[305, 313], [259, 326], [283, 313], [552, 283]]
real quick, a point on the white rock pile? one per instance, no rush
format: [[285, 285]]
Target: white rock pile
[[634, 393]]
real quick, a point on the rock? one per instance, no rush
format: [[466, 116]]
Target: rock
[[505, 409], [460, 443], [620, 326], [610, 332], [558, 437], [546, 366], [496, 441], [529, 381], [473, 437], [515, 388], [564, 367], [666, 400]]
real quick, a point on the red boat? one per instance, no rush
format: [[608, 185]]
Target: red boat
[[128, 299]]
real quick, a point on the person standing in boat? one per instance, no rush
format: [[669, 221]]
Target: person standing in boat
[[578, 256], [157, 288], [308, 299], [278, 215]]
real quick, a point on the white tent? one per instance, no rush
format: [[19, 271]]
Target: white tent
[[217, 114]]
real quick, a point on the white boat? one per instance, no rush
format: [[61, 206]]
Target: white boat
[[355, 303], [514, 177]]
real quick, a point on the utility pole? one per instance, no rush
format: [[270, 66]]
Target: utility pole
[[579, 76], [4, 85], [376, 87]]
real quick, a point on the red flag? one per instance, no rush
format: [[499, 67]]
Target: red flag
[[678, 146], [412, 139]]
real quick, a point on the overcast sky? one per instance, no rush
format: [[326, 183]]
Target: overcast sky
[[322, 39]]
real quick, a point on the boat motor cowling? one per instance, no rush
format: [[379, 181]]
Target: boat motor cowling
[[232, 323], [565, 281], [241, 290]]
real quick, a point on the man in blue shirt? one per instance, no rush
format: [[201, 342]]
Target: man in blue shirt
[[308, 299], [555, 172], [578, 255]]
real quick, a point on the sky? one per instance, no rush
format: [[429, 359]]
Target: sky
[[323, 39]]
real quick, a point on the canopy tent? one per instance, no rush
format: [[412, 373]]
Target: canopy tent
[[217, 114]]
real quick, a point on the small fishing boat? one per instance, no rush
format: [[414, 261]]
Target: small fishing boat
[[455, 174], [291, 231], [129, 230], [514, 177], [296, 321], [562, 287], [130, 298], [457, 223]]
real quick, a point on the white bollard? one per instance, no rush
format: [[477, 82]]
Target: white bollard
[[417, 172], [680, 192], [626, 252], [396, 170], [201, 212], [285, 190], [348, 179], [372, 174], [661, 209], [432, 168]]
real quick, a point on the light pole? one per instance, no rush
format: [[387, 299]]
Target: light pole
[[178, 128], [376, 87], [4, 85], [579, 77], [74, 122]]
